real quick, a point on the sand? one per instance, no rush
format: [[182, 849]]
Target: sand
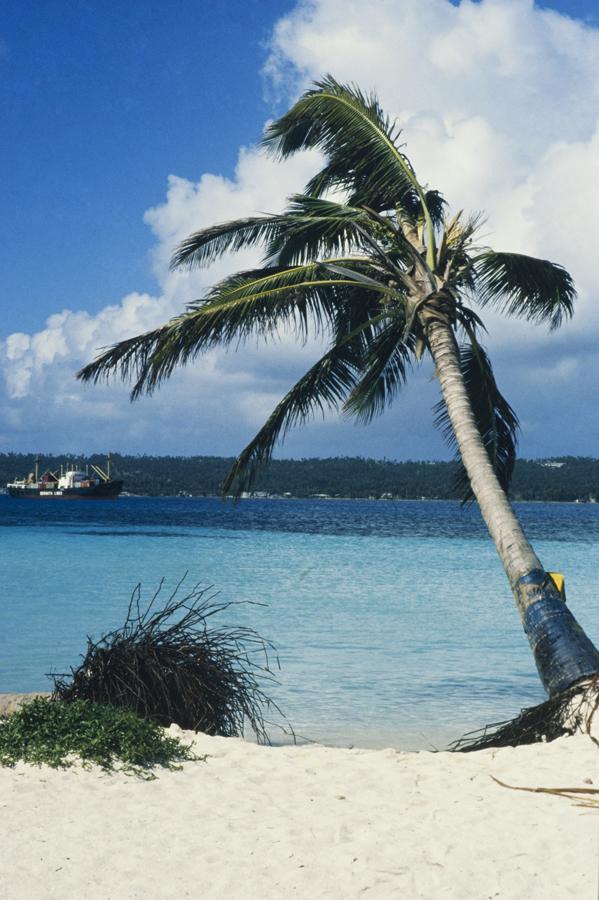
[[306, 822], [11, 702]]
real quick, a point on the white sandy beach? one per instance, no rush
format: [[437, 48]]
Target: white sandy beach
[[306, 822]]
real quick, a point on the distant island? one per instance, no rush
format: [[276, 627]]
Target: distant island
[[566, 478]]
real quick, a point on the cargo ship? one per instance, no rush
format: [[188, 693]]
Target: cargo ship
[[71, 484]]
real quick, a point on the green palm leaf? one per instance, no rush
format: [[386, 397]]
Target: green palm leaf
[[316, 228], [361, 147], [325, 385], [127, 358], [309, 228], [535, 289], [384, 368], [203, 247], [262, 300], [255, 302]]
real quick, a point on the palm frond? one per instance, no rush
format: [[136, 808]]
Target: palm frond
[[261, 300], [436, 205], [383, 369], [535, 289], [203, 247], [354, 273], [325, 385], [308, 228], [124, 358], [470, 321], [413, 206], [496, 420], [255, 302], [315, 228], [359, 141]]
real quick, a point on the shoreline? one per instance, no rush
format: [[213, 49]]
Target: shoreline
[[312, 821], [281, 736], [275, 497], [11, 701]]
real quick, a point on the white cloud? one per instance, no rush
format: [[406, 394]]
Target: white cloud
[[499, 105], [39, 369], [499, 102], [483, 90]]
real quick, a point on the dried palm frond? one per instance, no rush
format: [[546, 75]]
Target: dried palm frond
[[567, 713], [167, 666]]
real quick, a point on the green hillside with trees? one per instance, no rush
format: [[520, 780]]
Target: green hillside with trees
[[565, 478]]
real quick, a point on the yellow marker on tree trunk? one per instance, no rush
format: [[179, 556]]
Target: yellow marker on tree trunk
[[560, 583]]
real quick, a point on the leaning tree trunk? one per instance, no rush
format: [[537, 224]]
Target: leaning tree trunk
[[563, 653]]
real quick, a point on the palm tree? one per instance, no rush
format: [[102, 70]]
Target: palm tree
[[387, 275]]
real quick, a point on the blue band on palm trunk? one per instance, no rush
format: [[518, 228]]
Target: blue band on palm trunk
[[563, 653]]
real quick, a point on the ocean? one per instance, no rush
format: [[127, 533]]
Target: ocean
[[393, 621]]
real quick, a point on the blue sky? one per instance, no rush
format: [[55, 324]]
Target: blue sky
[[102, 103]]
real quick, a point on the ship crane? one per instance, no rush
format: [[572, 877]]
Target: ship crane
[[105, 476]]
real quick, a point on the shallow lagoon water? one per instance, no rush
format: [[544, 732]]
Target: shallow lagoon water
[[393, 621]]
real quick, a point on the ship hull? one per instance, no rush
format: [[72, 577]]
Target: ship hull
[[107, 491]]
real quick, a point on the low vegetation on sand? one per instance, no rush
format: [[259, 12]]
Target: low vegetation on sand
[[57, 734]]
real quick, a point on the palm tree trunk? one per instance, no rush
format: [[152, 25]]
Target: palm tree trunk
[[563, 653]]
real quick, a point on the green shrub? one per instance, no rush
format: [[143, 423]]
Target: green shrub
[[55, 733]]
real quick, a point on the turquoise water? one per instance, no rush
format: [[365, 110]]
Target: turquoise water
[[393, 620]]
